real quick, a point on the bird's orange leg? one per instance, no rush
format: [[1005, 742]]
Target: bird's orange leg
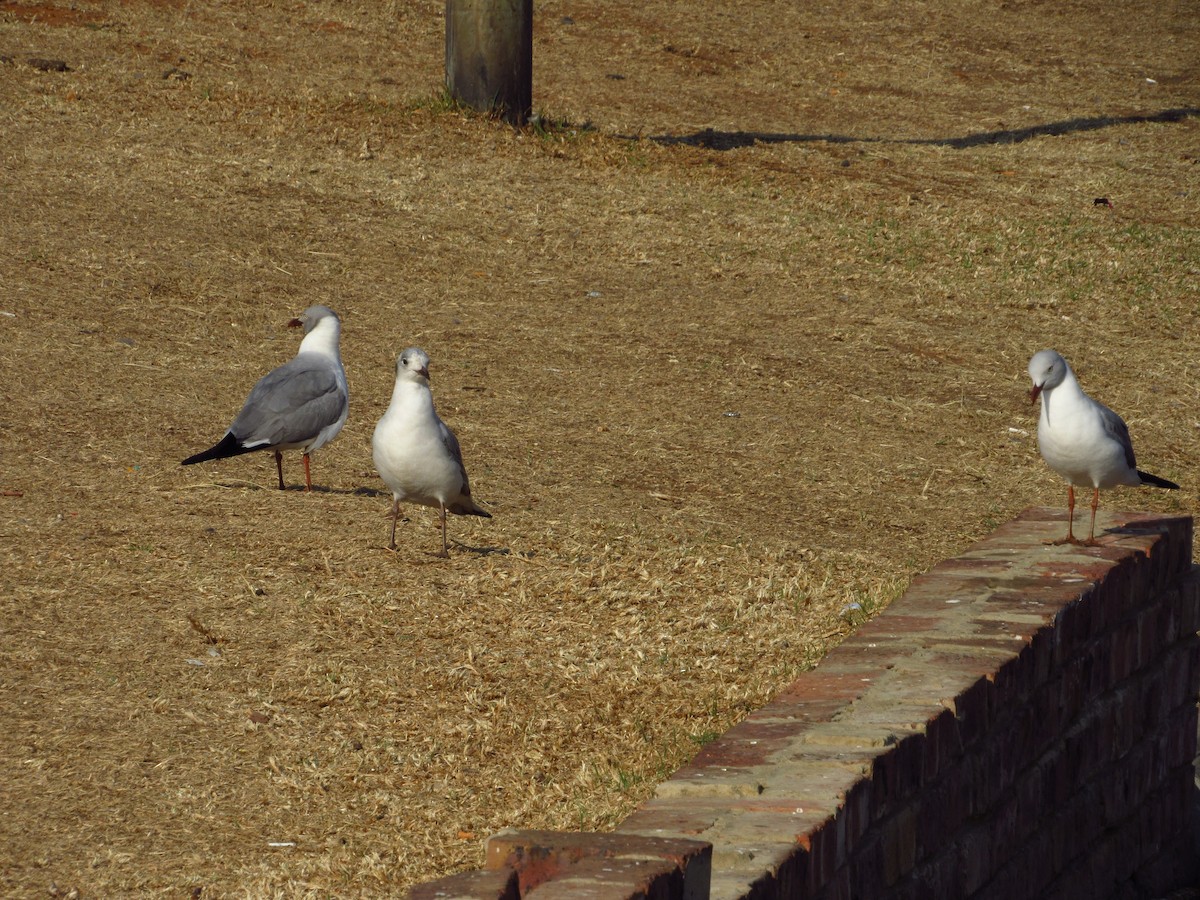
[[1091, 541], [279, 467], [1070, 538], [307, 475]]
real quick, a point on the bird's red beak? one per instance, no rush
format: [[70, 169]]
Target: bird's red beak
[[295, 323], [1034, 392]]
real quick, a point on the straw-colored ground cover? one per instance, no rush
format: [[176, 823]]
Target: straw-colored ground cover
[[734, 341]]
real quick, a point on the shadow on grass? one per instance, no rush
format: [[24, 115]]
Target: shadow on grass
[[239, 484], [481, 551], [735, 140]]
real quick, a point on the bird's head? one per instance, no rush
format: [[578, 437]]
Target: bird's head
[[310, 317], [1047, 369], [413, 361]]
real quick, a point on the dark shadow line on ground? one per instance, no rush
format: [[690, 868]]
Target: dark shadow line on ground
[[482, 551], [361, 491], [735, 140]]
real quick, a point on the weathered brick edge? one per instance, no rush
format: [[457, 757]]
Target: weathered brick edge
[[548, 864], [1021, 723]]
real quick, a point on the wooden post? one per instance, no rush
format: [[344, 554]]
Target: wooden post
[[489, 56]]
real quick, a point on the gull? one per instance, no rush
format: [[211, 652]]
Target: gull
[[416, 455], [1082, 440], [301, 405]]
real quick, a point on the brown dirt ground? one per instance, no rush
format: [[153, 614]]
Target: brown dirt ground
[[715, 389]]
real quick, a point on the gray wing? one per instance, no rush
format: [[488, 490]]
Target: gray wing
[[290, 404], [450, 442], [1115, 428]]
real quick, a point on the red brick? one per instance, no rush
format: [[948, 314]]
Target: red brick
[[976, 862], [539, 856], [1174, 866], [943, 745], [1124, 786], [894, 629], [1181, 671], [1128, 719], [937, 877], [856, 811], [696, 817], [866, 872], [944, 808], [477, 885], [896, 775], [1189, 604], [899, 838], [836, 888], [1177, 746], [687, 817], [985, 786], [820, 845], [1030, 793], [1017, 741], [1016, 678], [1072, 627], [1003, 821], [823, 691], [973, 708], [1097, 670], [613, 879], [1042, 642], [1157, 629], [1122, 655], [1155, 701]]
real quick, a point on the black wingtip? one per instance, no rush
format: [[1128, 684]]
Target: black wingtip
[[469, 509], [226, 447], [1155, 481]]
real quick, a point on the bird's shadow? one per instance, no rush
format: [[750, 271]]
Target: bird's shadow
[[482, 551], [360, 491], [300, 489], [1149, 529]]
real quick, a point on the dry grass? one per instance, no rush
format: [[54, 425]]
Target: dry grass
[[723, 403]]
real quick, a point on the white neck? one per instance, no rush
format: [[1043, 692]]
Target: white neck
[[1064, 394], [410, 391], [323, 339]]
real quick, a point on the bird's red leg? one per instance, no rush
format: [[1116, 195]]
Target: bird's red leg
[[1091, 541], [279, 467], [307, 475]]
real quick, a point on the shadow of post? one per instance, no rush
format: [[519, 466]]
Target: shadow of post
[[733, 140]]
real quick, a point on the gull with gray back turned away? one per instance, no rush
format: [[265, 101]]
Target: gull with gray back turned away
[[416, 455], [302, 405], [1082, 440]]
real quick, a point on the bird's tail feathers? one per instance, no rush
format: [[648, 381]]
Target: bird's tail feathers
[[1155, 481], [226, 447]]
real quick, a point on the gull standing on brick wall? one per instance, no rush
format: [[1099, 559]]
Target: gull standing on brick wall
[[416, 455], [301, 405], [1083, 441]]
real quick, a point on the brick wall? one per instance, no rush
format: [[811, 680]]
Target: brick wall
[[1021, 723]]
